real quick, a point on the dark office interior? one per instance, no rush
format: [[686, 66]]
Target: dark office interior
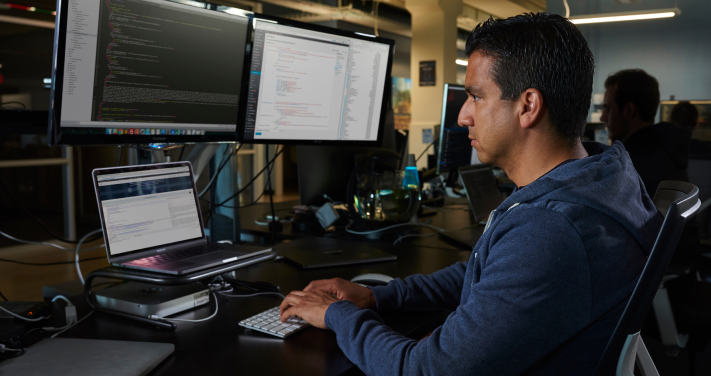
[[329, 139]]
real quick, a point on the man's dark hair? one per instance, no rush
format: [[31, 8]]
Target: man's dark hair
[[684, 114], [541, 51], [637, 87]]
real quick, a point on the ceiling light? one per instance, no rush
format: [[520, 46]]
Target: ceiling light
[[625, 16], [236, 11], [462, 62]]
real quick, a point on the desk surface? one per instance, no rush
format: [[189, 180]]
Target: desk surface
[[450, 217], [221, 347]]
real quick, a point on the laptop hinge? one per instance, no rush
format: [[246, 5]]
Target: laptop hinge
[[158, 250]]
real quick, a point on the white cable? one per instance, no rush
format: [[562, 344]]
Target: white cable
[[77, 323], [63, 298], [3, 349], [256, 294], [567, 9], [49, 244], [389, 227], [24, 318], [217, 308], [76, 254], [50, 329]]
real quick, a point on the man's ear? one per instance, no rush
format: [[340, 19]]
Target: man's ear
[[531, 107], [629, 111]]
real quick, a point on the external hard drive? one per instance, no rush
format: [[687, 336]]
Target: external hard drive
[[142, 299]]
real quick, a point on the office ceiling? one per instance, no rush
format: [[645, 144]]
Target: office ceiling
[[392, 15]]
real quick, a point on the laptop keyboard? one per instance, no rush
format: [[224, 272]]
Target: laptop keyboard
[[269, 322], [178, 255]]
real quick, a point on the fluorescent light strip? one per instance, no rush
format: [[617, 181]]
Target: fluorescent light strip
[[623, 18], [462, 62]]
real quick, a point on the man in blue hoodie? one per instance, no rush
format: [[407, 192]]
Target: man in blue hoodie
[[558, 260]]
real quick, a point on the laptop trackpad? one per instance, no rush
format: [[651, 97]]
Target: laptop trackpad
[[219, 256]]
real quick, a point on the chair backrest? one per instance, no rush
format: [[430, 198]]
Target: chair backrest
[[677, 201]]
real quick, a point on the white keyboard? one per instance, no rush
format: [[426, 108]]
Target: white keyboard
[[269, 322]]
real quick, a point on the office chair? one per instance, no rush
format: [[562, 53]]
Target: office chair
[[677, 201]]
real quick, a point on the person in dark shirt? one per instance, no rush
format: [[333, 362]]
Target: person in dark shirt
[[658, 151]]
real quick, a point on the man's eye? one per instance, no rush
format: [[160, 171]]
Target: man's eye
[[475, 98]]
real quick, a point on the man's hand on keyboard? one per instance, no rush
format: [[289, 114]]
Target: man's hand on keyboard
[[310, 306], [361, 296]]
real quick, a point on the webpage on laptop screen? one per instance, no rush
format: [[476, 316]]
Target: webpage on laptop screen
[[148, 208]]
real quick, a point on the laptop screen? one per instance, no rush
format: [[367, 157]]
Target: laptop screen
[[480, 186], [146, 208]]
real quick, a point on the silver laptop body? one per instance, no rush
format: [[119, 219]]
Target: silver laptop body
[[151, 219]]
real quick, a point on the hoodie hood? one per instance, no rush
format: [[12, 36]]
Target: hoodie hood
[[606, 169]]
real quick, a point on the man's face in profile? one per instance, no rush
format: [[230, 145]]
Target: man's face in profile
[[615, 122], [491, 120]]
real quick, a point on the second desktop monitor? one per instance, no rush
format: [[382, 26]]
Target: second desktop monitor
[[315, 85]]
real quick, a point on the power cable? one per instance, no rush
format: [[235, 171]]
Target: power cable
[[251, 181], [47, 244], [12, 198], [76, 254], [49, 263], [3, 297], [425, 151]]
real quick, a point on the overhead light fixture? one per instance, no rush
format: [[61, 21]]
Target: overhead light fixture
[[235, 11], [625, 16], [462, 62]]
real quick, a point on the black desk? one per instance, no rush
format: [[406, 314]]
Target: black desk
[[450, 217], [221, 347]]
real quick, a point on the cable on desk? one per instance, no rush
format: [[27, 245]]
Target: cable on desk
[[217, 308], [75, 324], [48, 244], [50, 263], [76, 254], [389, 227], [255, 294], [24, 318]]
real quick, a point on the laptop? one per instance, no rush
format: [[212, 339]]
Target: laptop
[[151, 219], [80, 357], [309, 253], [482, 192]]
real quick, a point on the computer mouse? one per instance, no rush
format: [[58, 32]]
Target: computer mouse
[[372, 279]]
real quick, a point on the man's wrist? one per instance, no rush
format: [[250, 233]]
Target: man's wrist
[[371, 300]]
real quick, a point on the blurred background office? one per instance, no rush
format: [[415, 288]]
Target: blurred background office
[[54, 183]]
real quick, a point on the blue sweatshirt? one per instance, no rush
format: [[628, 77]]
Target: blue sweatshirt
[[543, 290]]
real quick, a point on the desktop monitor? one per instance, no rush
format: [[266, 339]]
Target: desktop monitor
[[314, 85], [455, 149], [145, 71]]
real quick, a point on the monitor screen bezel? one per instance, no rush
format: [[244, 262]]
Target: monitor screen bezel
[[440, 142], [349, 34], [54, 132]]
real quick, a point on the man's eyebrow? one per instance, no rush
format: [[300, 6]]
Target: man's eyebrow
[[473, 89]]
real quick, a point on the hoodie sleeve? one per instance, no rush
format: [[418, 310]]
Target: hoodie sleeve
[[441, 289], [533, 294]]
